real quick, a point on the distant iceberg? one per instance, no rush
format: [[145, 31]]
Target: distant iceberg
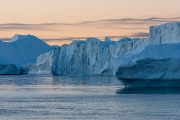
[[8, 68]]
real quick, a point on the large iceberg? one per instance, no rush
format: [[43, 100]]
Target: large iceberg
[[152, 62], [152, 66], [92, 57], [95, 57], [157, 65]]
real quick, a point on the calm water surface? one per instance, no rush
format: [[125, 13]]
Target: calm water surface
[[83, 98]]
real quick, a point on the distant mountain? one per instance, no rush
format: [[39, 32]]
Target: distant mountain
[[23, 49], [18, 37]]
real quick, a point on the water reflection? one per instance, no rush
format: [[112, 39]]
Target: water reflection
[[148, 91], [25, 80], [85, 81], [33, 84]]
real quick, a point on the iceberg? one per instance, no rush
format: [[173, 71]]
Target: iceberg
[[31, 68], [44, 63], [152, 66], [8, 68], [96, 57], [42, 66], [93, 56], [155, 65]]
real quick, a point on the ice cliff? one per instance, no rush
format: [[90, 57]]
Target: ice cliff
[[152, 62], [95, 57], [43, 65], [159, 61], [92, 57], [165, 33]]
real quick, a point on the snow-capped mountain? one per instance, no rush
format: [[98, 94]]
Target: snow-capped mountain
[[23, 49]]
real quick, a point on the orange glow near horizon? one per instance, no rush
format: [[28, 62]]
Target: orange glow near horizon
[[63, 19]]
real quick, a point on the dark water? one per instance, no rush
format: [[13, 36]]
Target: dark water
[[82, 98]]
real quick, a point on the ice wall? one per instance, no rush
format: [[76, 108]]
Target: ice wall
[[92, 57], [44, 63], [95, 57], [166, 33], [152, 62]]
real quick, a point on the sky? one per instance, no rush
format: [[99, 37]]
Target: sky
[[59, 22]]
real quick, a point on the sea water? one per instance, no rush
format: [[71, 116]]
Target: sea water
[[35, 97]]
